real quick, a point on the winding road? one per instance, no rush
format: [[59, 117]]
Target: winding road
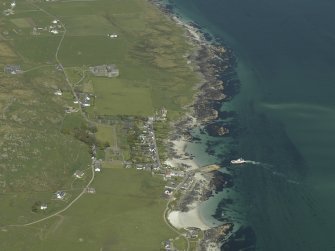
[[83, 114]]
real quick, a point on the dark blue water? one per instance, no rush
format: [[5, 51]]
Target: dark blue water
[[285, 116]]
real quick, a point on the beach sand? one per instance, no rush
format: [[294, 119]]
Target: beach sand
[[191, 218], [180, 158]]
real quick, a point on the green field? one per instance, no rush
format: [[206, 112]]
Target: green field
[[150, 50], [106, 133], [124, 214], [42, 146], [116, 97], [22, 22]]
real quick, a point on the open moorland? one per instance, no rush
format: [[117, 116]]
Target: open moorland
[[53, 122]]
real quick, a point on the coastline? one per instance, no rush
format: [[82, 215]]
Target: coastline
[[272, 135], [189, 219], [209, 59]]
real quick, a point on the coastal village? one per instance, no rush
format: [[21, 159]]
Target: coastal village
[[186, 183]]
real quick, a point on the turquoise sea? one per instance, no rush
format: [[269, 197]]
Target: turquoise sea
[[283, 119]]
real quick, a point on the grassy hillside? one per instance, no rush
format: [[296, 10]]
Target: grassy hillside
[[42, 146]]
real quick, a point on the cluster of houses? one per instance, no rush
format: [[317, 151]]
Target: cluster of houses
[[106, 70], [144, 150], [168, 246], [78, 174], [84, 99], [55, 27], [171, 185], [192, 232], [173, 173], [69, 109], [96, 163], [161, 114], [10, 11]]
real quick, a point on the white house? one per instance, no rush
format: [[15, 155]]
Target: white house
[[58, 93], [168, 192], [78, 174], [60, 195], [43, 206], [90, 190], [97, 165], [112, 35]]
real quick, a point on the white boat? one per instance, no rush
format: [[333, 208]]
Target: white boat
[[238, 161]]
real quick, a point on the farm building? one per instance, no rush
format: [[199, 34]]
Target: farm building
[[44, 206], [79, 174], [105, 70], [12, 69], [60, 195]]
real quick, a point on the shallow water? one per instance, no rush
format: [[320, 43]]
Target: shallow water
[[285, 117]]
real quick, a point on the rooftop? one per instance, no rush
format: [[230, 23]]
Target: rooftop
[[105, 70]]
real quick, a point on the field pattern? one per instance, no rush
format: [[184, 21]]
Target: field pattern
[[46, 137]]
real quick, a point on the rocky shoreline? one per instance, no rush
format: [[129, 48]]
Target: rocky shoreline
[[215, 64]]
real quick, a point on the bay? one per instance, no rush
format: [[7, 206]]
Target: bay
[[285, 116]]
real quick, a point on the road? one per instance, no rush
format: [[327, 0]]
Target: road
[[61, 211], [168, 207], [156, 148], [83, 114]]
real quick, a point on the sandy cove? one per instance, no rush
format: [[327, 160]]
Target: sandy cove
[[198, 185], [192, 218], [179, 159]]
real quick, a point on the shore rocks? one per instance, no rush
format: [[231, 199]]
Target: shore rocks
[[217, 130], [215, 64]]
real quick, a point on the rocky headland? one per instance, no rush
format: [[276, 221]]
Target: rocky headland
[[215, 64]]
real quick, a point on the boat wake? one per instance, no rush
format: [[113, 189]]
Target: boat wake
[[253, 162], [283, 176], [267, 167]]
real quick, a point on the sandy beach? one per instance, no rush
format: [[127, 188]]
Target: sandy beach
[[191, 218], [180, 159], [197, 187]]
